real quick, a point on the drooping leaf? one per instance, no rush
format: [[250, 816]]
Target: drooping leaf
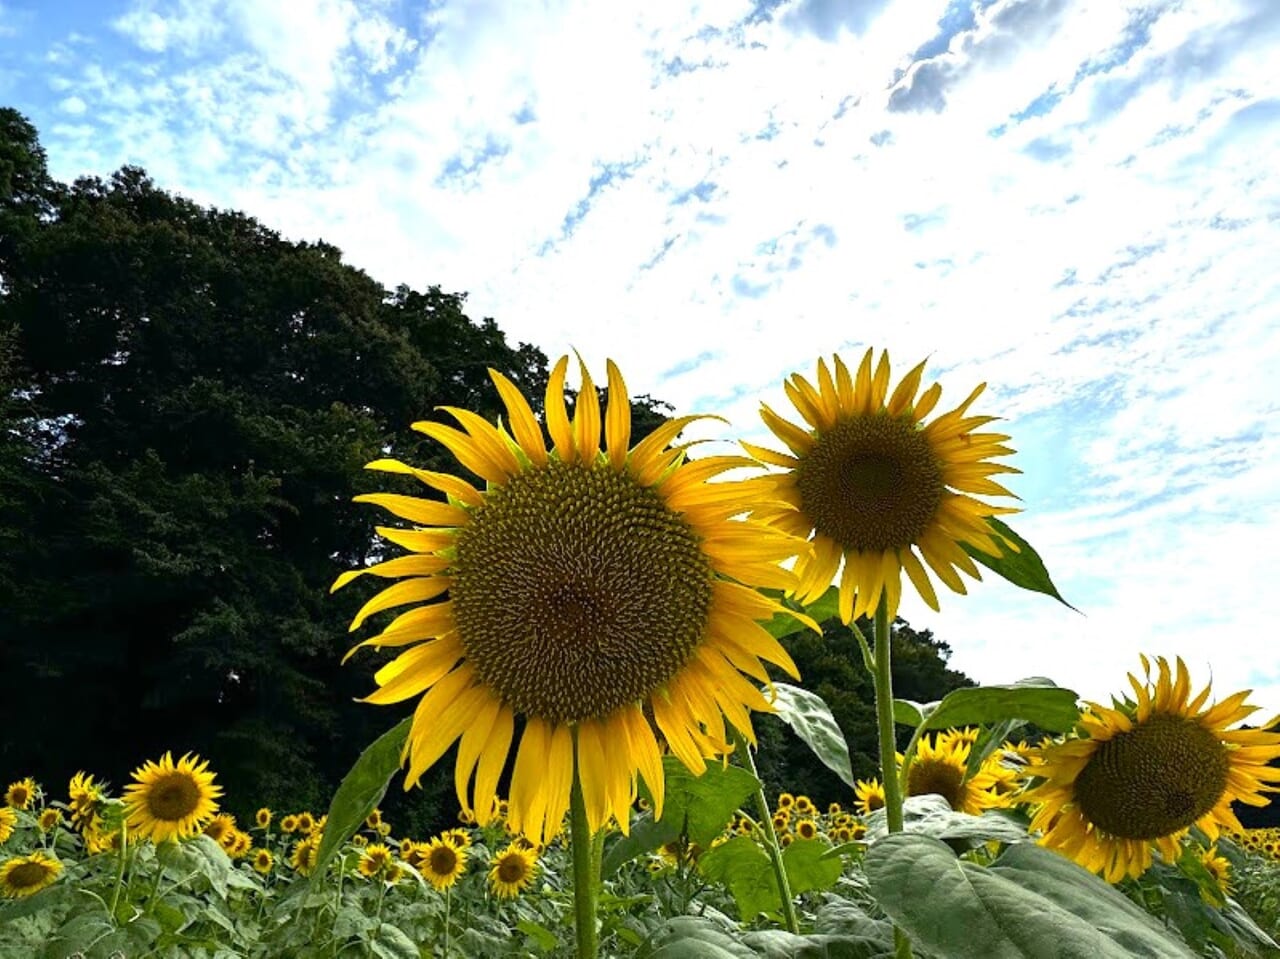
[[811, 719], [741, 866], [1030, 904], [360, 792], [1023, 568], [808, 868], [907, 713]]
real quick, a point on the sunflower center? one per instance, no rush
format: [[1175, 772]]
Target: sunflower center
[[936, 776], [578, 591], [1156, 779], [871, 483], [512, 869], [173, 797], [443, 860], [28, 874]]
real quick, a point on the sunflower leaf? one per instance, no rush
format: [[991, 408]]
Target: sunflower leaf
[[908, 713], [1029, 904], [701, 806], [645, 836], [812, 720], [741, 866], [783, 624], [1036, 700], [694, 937], [1023, 568], [360, 792], [807, 868]]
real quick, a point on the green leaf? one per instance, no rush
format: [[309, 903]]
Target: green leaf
[[824, 608], [932, 815], [701, 806], [1030, 904], [811, 719], [907, 713], [393, 943], [780, 944], [807, 868], [693, 937], [1024, 568], [646, 836], [360, 792], [1036, 700], [198, 854], [542, 937], [741, 866]]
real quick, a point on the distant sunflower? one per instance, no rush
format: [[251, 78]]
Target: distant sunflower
[[239, 844], [940, 768], [50, 818], [872, 485], [220, 827], [20, 794], [587, 591], [171, 800], [289, 824], [8, 819], [87, 800], [807, 829], [263, 818], [26, 875], [511, 871], [461, 838], [1219, 867], [442, 862], [304, 855], [375, 860], [785, 801], [263, 860], [306, 823], [805, 806], [870, 795], [1149, 771]]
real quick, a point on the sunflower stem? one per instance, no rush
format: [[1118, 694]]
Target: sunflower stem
[[585, 882], [124, 850], [882, 676], [448, 901], [771, 836]]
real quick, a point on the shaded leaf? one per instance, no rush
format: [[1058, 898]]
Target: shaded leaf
[[1024, 568], [701, 806], [1035, 700], [742, 867], [811, 719]]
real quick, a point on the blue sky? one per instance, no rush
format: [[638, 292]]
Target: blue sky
[[1072, 200]]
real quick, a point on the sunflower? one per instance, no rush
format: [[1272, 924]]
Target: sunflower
[[807, 829], [263, 818], [966, 736], [590, 592], [49, 819], [442, 862], [512, 870], [870, 795], [26, 875], [375, 860], [220, 827], [872, 485], [834, 809], [785, 801], [263, 861], [939, 767], [1145, 772], [20, 794], [87, 799], [171, 800], [461, 838], [8, 819], [304, 855], [805, 806], [289, 824], [1218, 867], [374, 819], [239, 844], [306, 823]]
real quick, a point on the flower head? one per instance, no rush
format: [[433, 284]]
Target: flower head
[[594, 592], [442, 862], [19, 795], [24, 876], [512, 870], [874, 485], [169, 800]]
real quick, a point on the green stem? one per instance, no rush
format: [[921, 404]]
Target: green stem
[[585, 878], [770, 835], [124, 850], [448, 901], [883, 677]]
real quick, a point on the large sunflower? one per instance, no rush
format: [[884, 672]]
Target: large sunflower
[[592, 592], [872, 485], [940, 767], [26, 875], [1147, 771], [171, 800]]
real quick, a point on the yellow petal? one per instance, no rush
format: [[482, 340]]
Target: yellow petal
[[406, 591], [520, 415], [799, 441], [439, 719], [493, 757], [643, 747], [556, 415], [591, 775], [410, 673], [417, 565], [586, 419], [453, 486], [424, 511], [617, 427], [470, 453], [470, 747]]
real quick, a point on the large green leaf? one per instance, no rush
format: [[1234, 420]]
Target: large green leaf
[[932, 815], [1036, 700], [741, 866], [360, 792], [807, 868], [811, 719], [701, 806], [645, 836], [1024, 568], [693, 937], [1030, 904]]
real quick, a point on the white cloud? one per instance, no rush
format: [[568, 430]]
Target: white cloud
[[1105, 261]]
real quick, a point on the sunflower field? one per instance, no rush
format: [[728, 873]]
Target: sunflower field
[[586, 629]]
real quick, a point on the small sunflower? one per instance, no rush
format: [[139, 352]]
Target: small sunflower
[[442, 862], [8, 819], [263, 861], [512, 870], [966, 736], [834, 809], [781, 821], [220, 827], [556, 612], [872, 484], [1219, 867], [785, 801], [805, 806], [19, 795], [26, 875], [171, 800], [49, 819], [239, 844], [359, 840], [939, 767], [289, 824], [807, 829], [375, 860], [786, 839], [306, 823], [263, 818], [317, 827], [461, 838], [1145, 772], [374, 819], [304, 855], [87, 800], [870, 795]]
